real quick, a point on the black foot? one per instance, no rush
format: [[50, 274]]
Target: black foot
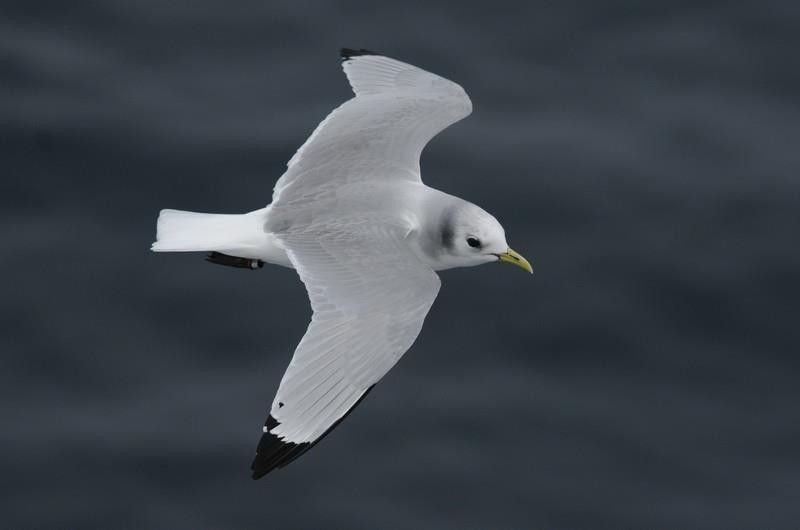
[[233, 261]]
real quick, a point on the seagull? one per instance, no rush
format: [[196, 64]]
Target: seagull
[[366, 236]]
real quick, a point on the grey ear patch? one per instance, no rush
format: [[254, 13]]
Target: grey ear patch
[[447, 230]]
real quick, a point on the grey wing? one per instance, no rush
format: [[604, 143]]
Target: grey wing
[[370, 295], [379, 133]]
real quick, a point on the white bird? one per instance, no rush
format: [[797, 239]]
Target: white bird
[[352, 216]]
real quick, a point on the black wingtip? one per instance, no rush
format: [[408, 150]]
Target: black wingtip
[[273, 452], [349, 53]]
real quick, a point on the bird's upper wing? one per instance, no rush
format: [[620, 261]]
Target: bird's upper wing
[[370, 295], [379, 133]]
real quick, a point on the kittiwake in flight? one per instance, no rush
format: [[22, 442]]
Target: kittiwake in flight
[[352, 216]]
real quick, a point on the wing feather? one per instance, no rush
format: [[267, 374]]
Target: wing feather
[[380, 133], [360, 327], [370, 294], [358, 330]]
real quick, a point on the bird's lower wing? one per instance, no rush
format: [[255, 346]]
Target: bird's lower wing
[[370, 295]]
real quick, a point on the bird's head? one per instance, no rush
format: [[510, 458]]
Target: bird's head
[[468, 236]]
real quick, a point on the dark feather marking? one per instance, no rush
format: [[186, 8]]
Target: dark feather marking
[[234, 261], [272, 452], [447, 229], [349, 53]]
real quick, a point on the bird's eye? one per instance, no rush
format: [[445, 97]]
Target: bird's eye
[[473, 242]]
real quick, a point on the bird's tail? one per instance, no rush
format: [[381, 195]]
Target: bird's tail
[[237, 235]]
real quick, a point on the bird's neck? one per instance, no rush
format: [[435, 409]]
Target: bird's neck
[[435, 211]]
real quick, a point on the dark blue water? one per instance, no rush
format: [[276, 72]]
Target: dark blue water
[[645, 156]]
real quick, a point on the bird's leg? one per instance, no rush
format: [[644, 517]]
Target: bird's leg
[[234, 261]]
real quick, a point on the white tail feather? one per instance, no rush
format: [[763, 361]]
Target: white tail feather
[[238, 235]]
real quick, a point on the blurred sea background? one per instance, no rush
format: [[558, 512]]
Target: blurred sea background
[[643, 155]]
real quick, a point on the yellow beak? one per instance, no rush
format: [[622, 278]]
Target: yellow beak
[[512, 257]]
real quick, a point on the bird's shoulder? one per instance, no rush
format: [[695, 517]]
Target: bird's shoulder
[[396, 204]]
